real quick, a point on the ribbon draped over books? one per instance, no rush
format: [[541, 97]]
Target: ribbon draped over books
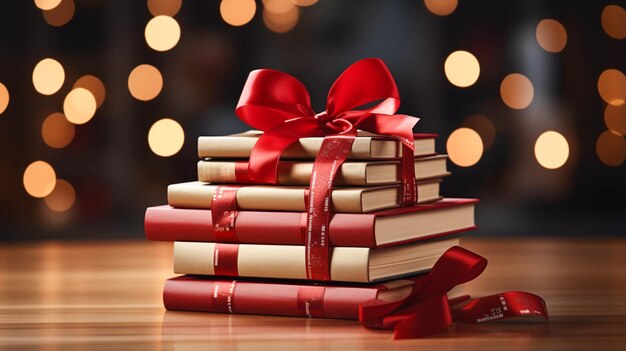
[[279, 105], [427, 309]]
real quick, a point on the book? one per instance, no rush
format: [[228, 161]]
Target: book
[[348, 174], [292, 198], [374, 229], [347, 264], [366, 146]]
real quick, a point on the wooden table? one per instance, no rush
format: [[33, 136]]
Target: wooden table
[[107, 295]]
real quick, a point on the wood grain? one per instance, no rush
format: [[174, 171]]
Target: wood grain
[[107, 295]]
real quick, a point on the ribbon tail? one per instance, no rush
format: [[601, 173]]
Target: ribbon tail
[[428, 317], [505, 305]]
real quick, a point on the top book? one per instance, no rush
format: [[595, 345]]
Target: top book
[[366, 146]]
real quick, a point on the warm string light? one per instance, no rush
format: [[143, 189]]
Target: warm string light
[[612, 87], [39, 179], [441, 7], [462, 69], [56, 131], [60, 15], [79, 106], [304, 3], [611, 148], [551, 150], [517, 91], [551, 35], [94, 85], [4, 98], [281, 22], [62, 197], [483, 126], [613, 21], [48, 76], [237, 12], [47, 4], [162, 33], [164, 7], [166, 137], [145, 82], [464, 147], [615, 118]]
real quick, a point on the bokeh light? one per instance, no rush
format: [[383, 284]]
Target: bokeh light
[[483, 126], [612, 87], [60, 15], [162, 33], [304, 3], [57, 131], [47, 4], [48, 76], [94, 85], [4, 98], [164, 7], [62, 197], [613, 20], [464, 147], [517, 91], [551, 150], [615, 118], [611, 148], [145, 82], [79, 106], [237, 12], [462, 68], [281, 22], [278, 6], [166, 137], [551, 35], [39, 179], [441, 7]]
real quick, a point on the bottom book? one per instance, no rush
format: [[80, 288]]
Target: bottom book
[[280, 298]]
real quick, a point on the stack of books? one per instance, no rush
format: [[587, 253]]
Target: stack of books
[[377, 248]]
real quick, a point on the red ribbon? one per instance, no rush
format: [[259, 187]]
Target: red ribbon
[[279, 104], [224, 213], [427, 309]]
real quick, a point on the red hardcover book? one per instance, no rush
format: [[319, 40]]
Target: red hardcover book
[[276, 297], [375, 229]]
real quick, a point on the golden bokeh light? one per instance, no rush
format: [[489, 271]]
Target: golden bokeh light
[[237, 12], [57, 131], [166, 137], [79, 106], [613, 20], [60, 15], [611, 148], [462, 68], [162, 33], [278, 6], [551, 150], [145, 82], [47, 4], [39, 179], [164, 7], [615, 118], [551, 35], [441, 7], [517, 91], [304, 3], [4, 98], [464, 147], [612, 87], [281, 22], [48, 76], [483, 126], [62, 198], [94, 85]]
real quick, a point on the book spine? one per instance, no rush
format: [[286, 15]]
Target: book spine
[[348, 264], [233, 296], [164, 223]]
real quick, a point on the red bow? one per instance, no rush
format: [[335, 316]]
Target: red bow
[[427, 309], [278, 104]]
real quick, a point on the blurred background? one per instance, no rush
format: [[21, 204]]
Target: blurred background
[[102, 102]]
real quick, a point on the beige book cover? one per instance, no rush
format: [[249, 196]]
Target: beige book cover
[[292, 198], [349, 174], [366, 146]]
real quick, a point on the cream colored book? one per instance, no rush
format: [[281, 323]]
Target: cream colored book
[[292, 198], [349, 174], [365, 147], [347, 264]]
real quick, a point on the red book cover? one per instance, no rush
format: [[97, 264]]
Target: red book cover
[[165, 223], [277, 297]]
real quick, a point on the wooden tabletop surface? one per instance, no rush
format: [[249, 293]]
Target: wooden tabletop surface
[[107, 295]]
